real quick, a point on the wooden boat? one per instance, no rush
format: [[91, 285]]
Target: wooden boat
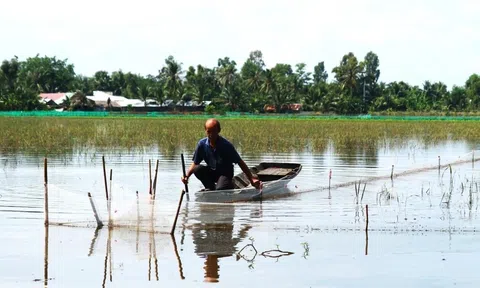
[[274, 176]]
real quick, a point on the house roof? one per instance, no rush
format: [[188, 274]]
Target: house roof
[[55, 97]]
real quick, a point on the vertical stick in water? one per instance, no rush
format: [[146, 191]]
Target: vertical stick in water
[[366, 212], [110, 184], [150, 176], [178, 211], [439, 162], [138, 223], [99, 222], [391, 174], [473, 158], [155, 181], [110, 202], [366, 230], [184, 175], [45, 176], [329, 178], [105, 177]]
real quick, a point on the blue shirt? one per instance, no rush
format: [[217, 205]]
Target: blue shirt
[[220, 159]]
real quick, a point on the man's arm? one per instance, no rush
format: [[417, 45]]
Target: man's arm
[[255, 182], [190, 170], [196, 159]]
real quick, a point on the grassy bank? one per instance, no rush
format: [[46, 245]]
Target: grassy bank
[[51, 135]]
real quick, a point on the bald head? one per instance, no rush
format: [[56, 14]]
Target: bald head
[[213, 123], [212, 128]]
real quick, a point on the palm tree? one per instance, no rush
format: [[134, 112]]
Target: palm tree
[[172, 73], [347, 73]]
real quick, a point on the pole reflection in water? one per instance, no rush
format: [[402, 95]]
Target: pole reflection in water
[[45, 261]]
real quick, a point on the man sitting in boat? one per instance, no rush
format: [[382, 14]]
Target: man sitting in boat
[[220, 155]]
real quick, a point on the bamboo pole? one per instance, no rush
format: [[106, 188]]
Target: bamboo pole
[[366, 212], [366, 230], [184, 175], [155, 181], [391, 175], [110, 202], [45, 179], [105, 177], [150, 176], [99, 222], [329, 178], [178, 211], [110, 189], [138, 223]]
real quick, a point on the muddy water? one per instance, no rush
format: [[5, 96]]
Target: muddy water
[[422, 228]]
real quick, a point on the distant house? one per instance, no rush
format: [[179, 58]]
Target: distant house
[[54, 100], [284, 108]]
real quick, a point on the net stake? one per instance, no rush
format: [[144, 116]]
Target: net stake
[[45, 176], [99, 222], [178, 211]]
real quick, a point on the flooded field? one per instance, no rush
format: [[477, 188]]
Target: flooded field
[[422, 222]]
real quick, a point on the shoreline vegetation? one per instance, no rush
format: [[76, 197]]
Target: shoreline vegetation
[[351, 86], [316, 116], [168, 136]]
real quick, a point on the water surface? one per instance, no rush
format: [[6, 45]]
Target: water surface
[[421, 225]]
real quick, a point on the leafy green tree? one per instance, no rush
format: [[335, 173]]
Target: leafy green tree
[[172, 73], [48, 74]]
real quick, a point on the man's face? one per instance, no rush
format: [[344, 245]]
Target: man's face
[[211, 130]]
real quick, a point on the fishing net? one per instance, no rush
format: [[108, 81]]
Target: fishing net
[[400, 189], [416, 197], [127, 209]]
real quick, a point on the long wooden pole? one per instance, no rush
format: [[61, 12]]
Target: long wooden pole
[[105, 177], [366, 212], [45, 179], [155, 181], [150, 176], [99, 222], [110, 202], [366, 230], [184, 173], [178, 211]]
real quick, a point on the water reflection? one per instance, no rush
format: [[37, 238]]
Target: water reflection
[[215, 237]]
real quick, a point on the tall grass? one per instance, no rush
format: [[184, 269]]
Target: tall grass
[[67, 135]]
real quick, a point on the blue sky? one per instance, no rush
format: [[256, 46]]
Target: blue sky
[[415, 40]]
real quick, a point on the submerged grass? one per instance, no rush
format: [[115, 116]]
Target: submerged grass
[[53, 135]]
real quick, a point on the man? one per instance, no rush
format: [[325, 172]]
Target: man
[[220, 156]]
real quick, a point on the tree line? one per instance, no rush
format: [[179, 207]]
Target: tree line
[[351, 87]]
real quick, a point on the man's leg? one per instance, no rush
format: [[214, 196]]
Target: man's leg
[[205, 175], [224, 183]]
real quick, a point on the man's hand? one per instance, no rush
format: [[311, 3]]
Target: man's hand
[[257, 183], [185, 180]]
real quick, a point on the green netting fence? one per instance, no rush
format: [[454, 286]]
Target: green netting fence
[[232, 115]]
